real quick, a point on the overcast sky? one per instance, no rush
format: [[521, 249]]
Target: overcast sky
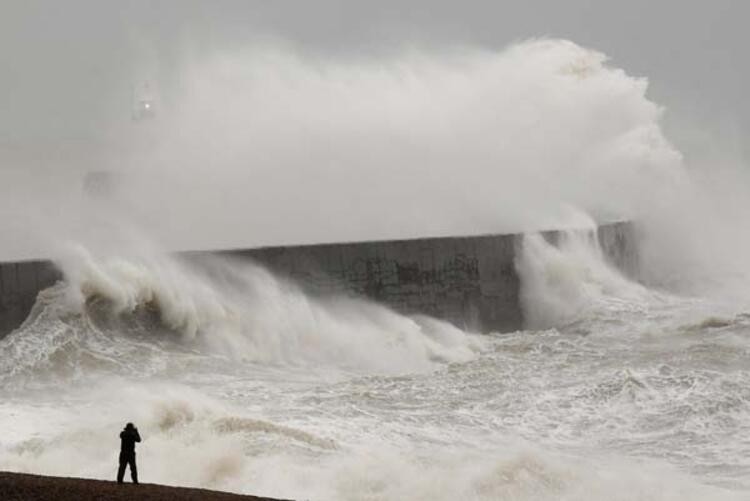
[[62, 62]]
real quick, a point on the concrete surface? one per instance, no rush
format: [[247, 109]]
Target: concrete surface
[[469, 281]]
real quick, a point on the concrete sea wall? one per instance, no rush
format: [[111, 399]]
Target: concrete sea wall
[[469, 281], [20, 282]]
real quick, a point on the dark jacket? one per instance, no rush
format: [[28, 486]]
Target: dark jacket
[[128, 438]]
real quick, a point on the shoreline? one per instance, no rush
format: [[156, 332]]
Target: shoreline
[[31, 487]]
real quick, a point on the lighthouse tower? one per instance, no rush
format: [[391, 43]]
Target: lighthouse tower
[[144, 101]]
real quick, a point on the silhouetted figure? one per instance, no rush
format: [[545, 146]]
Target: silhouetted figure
[[128, 437]]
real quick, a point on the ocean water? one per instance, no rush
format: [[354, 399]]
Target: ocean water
[[239, 381]]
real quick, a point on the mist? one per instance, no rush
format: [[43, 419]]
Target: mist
[[266, 145], [270, 131]]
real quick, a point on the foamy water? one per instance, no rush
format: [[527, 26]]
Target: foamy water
[[639, 395]]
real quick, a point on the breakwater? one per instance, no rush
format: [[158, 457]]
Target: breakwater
[[20, 282], [469, 281]]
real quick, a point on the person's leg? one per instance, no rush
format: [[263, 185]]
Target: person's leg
[[121, 469], [133, 469]]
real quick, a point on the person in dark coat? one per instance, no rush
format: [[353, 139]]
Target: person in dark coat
[[128, 437]]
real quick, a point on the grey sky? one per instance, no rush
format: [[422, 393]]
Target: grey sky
[[62, 62]]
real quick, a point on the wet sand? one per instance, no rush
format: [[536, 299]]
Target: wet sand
[[23, 487]]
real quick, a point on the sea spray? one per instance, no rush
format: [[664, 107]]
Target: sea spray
[[224, 307], [414, 143], [568, 279]]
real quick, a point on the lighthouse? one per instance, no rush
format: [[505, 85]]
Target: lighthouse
[[144, 102]]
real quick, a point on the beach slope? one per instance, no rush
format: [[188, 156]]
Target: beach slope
[[24, 487]]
